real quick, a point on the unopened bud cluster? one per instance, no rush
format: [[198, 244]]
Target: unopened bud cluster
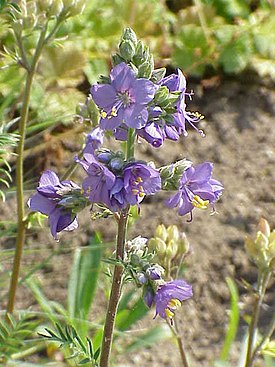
[[169, 243], [262, 249]]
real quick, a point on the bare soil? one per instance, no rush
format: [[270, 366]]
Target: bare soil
[[240, 138]]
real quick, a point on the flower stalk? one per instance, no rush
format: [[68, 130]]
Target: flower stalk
[[261, 288], [118, 272], [20, 172], [175, 332]]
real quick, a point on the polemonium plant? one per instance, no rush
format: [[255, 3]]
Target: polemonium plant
[[135, 102]]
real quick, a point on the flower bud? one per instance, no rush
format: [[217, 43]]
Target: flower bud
[[56, 8], [173, 233], [161, 232], [126, 49], [135, 260], [183, 244], [77, 8], [171, 249], [158, 245], [44, 5], [158, 75], [140, 55], [129, 35], [104, 157], [261, 241], [117, 59], [250, 248], [116, 164], [264, 227], [146, 68]]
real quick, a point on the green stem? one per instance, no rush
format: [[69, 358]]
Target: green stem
[[266, 336], [261, 288], [19, 173], [175, 331], [115, 293], [108, 332]]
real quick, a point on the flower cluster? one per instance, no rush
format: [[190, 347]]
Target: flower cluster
[[113, 181], [157, 111], [166, 296], [50, 200]]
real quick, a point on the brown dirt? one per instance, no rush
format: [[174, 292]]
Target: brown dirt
[[240, 141]]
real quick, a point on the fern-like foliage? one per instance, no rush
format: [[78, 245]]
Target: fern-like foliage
[[67, 337], [13, 335], [7, 142]]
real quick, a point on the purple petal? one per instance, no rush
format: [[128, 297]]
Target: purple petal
[[41, 204], [122, 77], [144, 91], [49, 178], [104, 95]]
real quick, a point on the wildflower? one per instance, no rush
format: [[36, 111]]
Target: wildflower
[[48, 201], [169, 296], [140, 180], [177, 82], [124, 100], [196, 189]]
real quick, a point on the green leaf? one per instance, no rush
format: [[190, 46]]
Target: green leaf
[[191, 50], [234, 317], [126, 318], [236, 54], [231, 8], [83, 280]]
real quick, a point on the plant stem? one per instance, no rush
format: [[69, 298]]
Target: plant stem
[[20, 172], [118, 271], [115, 293], [261, 288], [175, 331]]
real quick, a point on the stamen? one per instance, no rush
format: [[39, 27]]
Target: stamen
[[135, 191], [174, 304], [198, 202], [114, 112], [169, 313], [103, 114]]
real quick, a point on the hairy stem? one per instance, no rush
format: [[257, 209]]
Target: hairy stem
[[261, 288], [115, 293], [118, 271], [19, 173], [175, 331]]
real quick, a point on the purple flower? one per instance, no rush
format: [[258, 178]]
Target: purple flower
[[196, 189], [140, 180], [94, 140], [124, 100], [48, 199], [169, 297]]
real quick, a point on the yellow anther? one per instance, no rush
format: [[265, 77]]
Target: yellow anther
[[88, 189], [174, 303], [109, 117], [114, 112], [169, 313], [199, 203], [139, 179], [141, 194], [103, 114], [135, 191]]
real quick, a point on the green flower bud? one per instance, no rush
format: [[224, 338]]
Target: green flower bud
[[77, 8], [173, 233], [44, 5], [171, 249], [142, 54], [145, 70], [183, 244], [264, 227], [261, 241], [117, 59], [158, 245], [161, 232], [129, 35], [158, 74], [55, 9], [127, 49], [161, 95], [135, 260], [250, 248]]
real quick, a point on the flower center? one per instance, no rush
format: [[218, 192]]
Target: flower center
[[137, 188], [172, 306], [198, 202], [125, 98]]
